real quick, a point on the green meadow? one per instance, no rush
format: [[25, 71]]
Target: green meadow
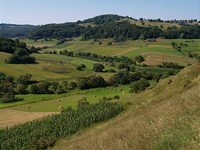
[[54, 102], [55, 67]]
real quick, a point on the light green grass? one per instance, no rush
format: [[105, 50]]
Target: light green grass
[[147, 23], [153, 49], [40, 43], [155, 69], [31, 102], [49, 67]]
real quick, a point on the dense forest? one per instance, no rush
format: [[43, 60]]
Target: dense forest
[[102, 19], [13, 30], [109, 26], [104, 26]]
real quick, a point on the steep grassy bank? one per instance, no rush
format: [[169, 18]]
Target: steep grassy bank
[[165, 117]]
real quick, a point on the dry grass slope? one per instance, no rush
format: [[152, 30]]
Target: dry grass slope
[[165, 117]]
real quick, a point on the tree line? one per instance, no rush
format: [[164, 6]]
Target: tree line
[[15, 31], [104, 26], [108, 26], [20, 52]]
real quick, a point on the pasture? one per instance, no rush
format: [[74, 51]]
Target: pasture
[[55, 67], [56, 102], [151, 50]]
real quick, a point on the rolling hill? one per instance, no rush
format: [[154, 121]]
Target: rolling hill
[[164, 115], [159, 118]]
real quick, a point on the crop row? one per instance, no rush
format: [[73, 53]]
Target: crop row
[[43, 133]]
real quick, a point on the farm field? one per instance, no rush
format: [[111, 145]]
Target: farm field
[[161, 48], [10, 117], [72, 98], [49, 66], [38, 106], [88, 85]]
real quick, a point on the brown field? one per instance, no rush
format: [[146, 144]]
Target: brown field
[[11, 117], [155, 58]]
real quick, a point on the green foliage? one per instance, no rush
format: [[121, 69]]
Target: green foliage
[[7, 98], [13, 31], [185, 32], [170, 65], [42, 133], [7, 86], [24, 79], [103, 19], [60, 31], [139, 86], [81, 67], [198, 58], [122, 77], [21, 88], [124, 67], [110, 59], [139, 59], [41, 88], [98, 67], [90, 82], [10, 45], [21, 56]]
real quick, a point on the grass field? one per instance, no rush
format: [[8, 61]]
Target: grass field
[[68, 99], [148, 23], [165, 115], [49, 67], [129, 48], [160, 118]]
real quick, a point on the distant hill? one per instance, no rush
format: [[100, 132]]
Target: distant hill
[[13, 30], [102, 19], [120, 28]]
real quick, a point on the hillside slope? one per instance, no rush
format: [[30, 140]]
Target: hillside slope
[[161, 118]]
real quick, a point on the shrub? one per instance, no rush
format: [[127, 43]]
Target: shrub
[[139, 59], [98, 67], [21, 89], [90, 82], [116, 97], [79, 68], [8, 97], [139, 86]]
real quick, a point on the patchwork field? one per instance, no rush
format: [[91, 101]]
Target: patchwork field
[[145, 115], [161, 48]]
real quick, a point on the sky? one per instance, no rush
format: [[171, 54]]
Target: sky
[[38, 12]]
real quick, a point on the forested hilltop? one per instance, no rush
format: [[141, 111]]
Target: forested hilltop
[[13, 30], [119, 28], [108, 26]]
